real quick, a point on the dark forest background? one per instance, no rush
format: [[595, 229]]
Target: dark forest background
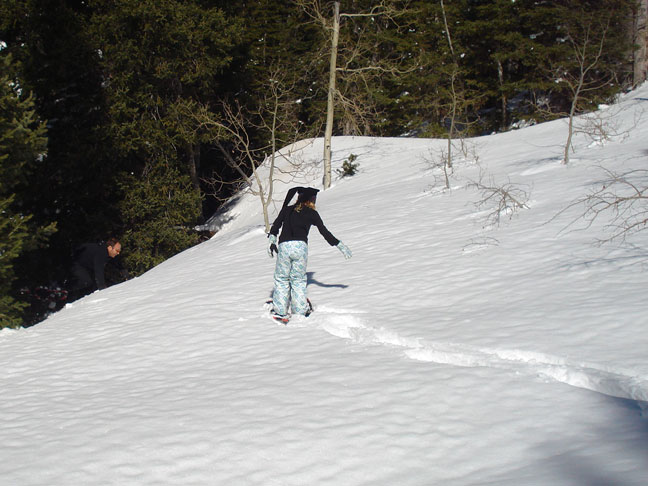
[[116, 115]]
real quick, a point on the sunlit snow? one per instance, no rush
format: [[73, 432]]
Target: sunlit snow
[[450, 350]]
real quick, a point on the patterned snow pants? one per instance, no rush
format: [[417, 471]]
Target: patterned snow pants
[[290, 278]]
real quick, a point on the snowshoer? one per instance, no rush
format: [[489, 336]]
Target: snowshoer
[[292, 253]]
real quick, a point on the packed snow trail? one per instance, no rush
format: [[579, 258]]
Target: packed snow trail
[[609, 381]]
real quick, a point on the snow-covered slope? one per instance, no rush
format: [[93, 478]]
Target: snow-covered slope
[[448, 350]]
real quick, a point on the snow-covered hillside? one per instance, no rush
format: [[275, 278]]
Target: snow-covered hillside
[[448, 351]]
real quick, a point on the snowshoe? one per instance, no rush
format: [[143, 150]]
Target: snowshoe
[[279, 318], [285, 319]]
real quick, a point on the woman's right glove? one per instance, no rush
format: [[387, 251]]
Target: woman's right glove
[[272, 245], [345, 250]]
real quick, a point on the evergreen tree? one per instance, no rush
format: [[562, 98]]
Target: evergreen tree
[[158, 210], [589, 53], [377, 51], [278, 39], [161, 59], [123, 82], [157, 55], [500, 50], [411, 100], [75, 184], [22, 145]]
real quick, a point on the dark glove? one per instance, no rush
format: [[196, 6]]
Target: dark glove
[[272, 245]]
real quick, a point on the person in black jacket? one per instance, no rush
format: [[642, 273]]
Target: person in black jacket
[[292, 253], [88, 270]]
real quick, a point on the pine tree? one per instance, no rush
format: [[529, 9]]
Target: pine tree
[[158, 210], [499, 48], [277, 39], [22, 144], [590, 49], [411, 101], [157, 55], [161, 59], [75, 184]]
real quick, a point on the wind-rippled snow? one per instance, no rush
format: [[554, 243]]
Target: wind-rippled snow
[[446, 351]]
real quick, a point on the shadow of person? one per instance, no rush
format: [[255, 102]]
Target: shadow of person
[[313, 281]]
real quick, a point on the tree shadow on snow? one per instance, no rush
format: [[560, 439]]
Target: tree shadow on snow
[[632, 255], [583, 468], [618, 455], [622, 439]]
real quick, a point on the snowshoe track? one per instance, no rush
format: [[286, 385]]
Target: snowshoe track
[[589, 376]]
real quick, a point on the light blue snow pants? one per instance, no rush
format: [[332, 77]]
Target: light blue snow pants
[[290, 278]]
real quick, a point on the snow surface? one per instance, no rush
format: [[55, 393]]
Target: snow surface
[[448, 350]]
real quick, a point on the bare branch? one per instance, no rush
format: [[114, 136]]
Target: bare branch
[[274, 117], [622, 199], [604, 125], [502, 199]]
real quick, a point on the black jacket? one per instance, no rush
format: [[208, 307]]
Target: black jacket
[[93, 257], [296, 225]]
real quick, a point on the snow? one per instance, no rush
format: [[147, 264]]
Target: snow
[[449, 350]]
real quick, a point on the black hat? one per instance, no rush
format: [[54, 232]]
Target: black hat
[[305, 194]]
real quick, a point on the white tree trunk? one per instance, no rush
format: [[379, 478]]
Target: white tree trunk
[[640, 39], [331, 98]]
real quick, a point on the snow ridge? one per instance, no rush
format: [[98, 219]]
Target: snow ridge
[[608, 381]]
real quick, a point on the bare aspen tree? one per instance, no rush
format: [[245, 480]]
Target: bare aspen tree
[[587, 60], [453, 99], [456, 99], [328, 134], [639, 38], [359, 60], [582, 71]]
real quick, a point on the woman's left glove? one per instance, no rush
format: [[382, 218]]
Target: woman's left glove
[[345, 250], [272, 245]]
